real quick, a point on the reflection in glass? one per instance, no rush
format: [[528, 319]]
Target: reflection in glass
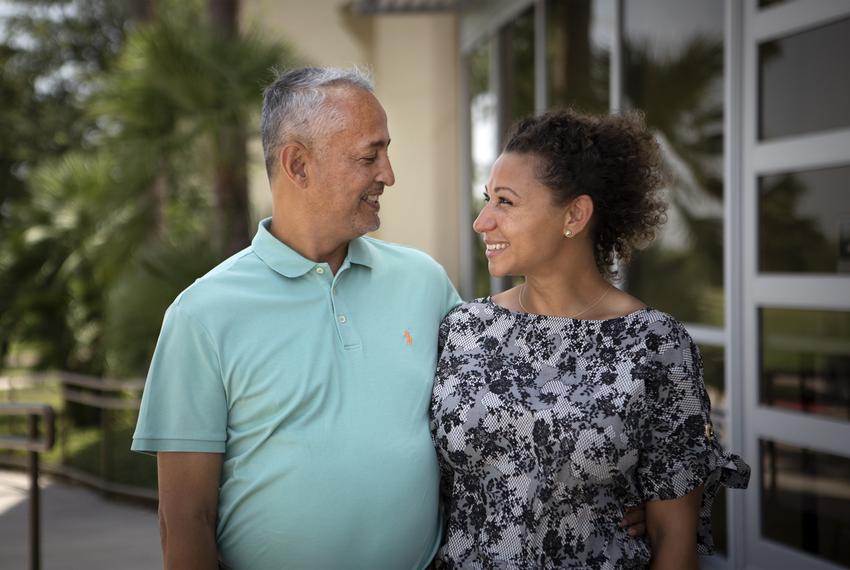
[[804, 221], [713, 360], [805, 500], [804, 84], [673, 72], [516, 70], [483, 129], [578, 49], [805, 361]]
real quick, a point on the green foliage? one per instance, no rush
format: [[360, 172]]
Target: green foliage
[[106, 210], [61, 255], [157, 274], [178, 78], [49, 53]]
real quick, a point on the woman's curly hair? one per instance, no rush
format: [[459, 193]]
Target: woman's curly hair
[[615, 160]]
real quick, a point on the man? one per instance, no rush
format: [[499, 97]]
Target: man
[[287, 400]]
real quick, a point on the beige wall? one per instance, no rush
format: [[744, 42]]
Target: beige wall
[[414, 61]]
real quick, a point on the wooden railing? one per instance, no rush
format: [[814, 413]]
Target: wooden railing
[[33, 445], [110, 396]]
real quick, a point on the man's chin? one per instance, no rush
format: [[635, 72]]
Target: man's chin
[[375, 224], [368, 228]]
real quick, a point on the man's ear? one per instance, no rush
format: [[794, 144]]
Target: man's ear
[[577, 216], [292, 163]]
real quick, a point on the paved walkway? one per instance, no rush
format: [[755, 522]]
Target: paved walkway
[[80, 530]]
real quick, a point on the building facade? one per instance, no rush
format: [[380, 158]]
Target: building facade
[[749, 102]]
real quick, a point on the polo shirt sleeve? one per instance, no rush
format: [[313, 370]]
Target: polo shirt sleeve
[[184, 407]]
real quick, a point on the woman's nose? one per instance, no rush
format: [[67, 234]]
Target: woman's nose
[[484, 222]]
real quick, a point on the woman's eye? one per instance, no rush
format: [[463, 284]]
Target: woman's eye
[[504, 201], [369, 159]]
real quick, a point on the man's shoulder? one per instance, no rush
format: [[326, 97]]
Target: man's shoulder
[[211, 288], [395, 254]]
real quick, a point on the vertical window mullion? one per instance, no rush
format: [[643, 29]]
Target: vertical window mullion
[[615, 93], [467, 259], [733, 278], [540, 84]]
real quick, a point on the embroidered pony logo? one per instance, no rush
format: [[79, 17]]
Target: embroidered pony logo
[[408, 340]]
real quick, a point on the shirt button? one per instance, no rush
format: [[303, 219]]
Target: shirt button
[[342, 319], [320, 270]]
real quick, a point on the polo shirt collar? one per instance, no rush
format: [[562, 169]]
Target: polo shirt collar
[[360, 252], [290, 263]]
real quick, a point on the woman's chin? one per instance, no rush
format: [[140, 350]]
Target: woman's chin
[[497, 270]]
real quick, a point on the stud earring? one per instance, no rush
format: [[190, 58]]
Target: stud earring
[[568, 233]]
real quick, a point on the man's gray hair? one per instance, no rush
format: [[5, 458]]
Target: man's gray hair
[[295, 106]]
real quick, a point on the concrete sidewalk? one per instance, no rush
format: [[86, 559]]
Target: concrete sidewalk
[[80, 530]]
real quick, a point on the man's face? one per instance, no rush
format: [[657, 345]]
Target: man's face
[[351, 167]]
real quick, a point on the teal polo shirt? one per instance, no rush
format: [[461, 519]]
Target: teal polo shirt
[[316, 388]]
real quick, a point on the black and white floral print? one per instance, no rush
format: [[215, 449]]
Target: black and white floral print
[[547, 428]]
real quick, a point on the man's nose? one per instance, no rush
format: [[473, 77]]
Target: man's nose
[[387, 176]]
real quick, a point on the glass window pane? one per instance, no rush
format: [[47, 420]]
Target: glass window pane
[[516, 70], [805, 361], [578, 49], [805, 500], [483, 129], [802, 88], [673, 58], [804, 221], [713, 359]]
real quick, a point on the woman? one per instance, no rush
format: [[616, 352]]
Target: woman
[[563, 401]]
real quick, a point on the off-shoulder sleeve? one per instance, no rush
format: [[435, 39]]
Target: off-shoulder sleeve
[[679, 449]]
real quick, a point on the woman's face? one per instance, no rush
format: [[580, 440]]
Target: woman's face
[[521, 226]]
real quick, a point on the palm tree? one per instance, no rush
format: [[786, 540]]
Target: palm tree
[[230, 183], [92, 226], [180, 84]]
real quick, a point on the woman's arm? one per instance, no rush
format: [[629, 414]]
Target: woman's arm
[[672, 530]]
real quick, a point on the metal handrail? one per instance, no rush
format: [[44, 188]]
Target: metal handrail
[[34, 446]]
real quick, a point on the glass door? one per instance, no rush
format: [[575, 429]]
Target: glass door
[[796, 283]]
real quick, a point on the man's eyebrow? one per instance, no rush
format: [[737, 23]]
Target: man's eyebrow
[[380, 143]]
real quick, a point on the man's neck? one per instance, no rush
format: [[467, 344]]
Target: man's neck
[[309, 243]]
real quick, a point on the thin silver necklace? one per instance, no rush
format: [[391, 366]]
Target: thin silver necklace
[[577, 315]]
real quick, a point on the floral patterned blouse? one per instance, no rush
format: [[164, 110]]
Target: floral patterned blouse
[[546, 428]]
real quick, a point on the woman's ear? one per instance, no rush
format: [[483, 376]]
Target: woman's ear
[[577, 216], [292, 162]]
